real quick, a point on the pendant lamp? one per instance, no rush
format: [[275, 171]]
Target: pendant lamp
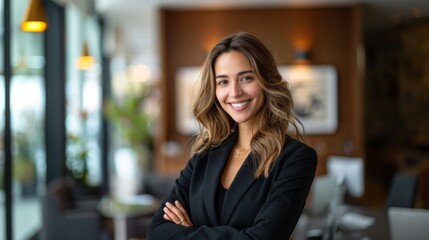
[[85, 61], [34, 18]]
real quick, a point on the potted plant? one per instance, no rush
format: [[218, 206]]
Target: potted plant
[[24, 169], [128, 115]]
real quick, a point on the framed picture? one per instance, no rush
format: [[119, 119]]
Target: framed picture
[[314, 91], [186, 88]]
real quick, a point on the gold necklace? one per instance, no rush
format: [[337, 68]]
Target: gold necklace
[[237, 153]]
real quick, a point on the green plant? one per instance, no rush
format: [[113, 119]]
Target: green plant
[[1, 179], [128, 116], [24, 169], [77, 155]]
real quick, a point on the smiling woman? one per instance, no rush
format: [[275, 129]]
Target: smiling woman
[[246, 173], [237, 87]]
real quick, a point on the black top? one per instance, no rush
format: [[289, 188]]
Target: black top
[[254, 208], [220, 198]]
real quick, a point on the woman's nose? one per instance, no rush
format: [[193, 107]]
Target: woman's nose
[[235, 89]]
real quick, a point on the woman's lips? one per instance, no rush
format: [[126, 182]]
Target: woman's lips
[[239, 105]]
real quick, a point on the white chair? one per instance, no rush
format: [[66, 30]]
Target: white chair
[[322, 193], [350, 170], [408, 223]]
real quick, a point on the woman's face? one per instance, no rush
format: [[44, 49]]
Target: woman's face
[[237, 87]]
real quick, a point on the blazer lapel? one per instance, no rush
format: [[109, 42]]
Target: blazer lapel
[[216, 161], [241, 183]]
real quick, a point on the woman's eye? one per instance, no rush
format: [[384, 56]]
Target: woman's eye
[[222, 82], [247, 78]]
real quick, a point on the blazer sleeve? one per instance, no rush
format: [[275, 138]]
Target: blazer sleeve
[[291, 176], [161, 228]]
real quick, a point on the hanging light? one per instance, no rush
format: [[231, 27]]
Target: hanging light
[[34, 18], [85, 61]]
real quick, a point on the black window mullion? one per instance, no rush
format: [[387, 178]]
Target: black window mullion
[[7, 127], [55, 132], [105, 93]]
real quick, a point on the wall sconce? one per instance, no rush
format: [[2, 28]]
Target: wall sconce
[[34, 18], [85, 61], [301, 56]]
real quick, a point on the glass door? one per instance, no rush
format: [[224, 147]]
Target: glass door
[[27, 104], [83, 98]]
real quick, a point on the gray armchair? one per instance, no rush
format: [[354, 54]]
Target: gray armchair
[[64, 218], [158, 186], [403, 191]]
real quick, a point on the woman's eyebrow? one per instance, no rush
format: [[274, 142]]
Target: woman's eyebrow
[[244, 72], [221, 76], [238, 74]]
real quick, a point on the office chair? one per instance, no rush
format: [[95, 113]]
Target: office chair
[[67, 218], [403, 191]]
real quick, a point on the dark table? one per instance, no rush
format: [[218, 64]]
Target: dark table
[[325, 228], [122, 209]]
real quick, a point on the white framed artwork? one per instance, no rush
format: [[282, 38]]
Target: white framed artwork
[[186, 88], [314, 91]]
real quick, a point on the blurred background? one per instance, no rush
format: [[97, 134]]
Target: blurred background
[[99, 98]]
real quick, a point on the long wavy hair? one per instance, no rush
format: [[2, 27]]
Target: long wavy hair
[[273, 121]]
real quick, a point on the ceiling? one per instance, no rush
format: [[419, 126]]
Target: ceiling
[[385, 11], [136, 22]]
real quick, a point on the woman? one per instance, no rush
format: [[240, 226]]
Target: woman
[[248, 178]]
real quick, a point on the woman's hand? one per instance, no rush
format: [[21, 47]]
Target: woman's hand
[[176, 213]]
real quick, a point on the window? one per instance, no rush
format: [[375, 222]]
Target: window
[[27, 99], [83, 98]]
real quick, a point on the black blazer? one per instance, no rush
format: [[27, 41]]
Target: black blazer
[[254, 208]]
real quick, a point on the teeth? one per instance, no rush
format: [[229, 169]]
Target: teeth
[[237, 105]]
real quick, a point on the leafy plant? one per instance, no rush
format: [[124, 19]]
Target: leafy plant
[[24, 169], [128, 117], [77, 155]]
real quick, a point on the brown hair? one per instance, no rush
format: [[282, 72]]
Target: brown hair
[[274, 119]]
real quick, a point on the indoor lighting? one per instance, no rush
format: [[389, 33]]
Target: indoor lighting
[[139, 73], [34, 18], [301, 56], [302, 45], [85, 61]]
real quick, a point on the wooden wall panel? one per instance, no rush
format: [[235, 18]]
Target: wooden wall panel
[[332, 34]]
